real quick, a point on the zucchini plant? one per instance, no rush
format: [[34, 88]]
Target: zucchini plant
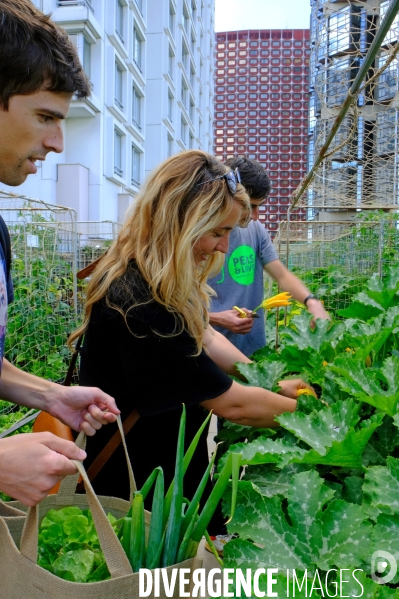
[[320, 493]]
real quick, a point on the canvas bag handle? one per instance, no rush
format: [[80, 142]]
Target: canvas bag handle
[[69, 483], [114, 554]]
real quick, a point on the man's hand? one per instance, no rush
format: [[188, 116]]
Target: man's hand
[[230, 319], [316, 308], [32, 463], [82, 408], [290, 387]]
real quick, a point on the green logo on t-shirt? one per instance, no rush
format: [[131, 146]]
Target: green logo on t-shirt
[[242, 265]]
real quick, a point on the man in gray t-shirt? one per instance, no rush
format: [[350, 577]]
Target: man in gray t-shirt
[[240, 282]]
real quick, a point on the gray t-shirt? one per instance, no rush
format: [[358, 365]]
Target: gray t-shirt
[[240, 282]]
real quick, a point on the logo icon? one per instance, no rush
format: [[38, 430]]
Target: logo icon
[[385, 564]]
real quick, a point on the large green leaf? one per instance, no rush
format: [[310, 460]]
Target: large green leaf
[[360, 310], [348, 452], [381, 487], [270, 481], [264, 374], [345, 536], [385, 537], [266, 451], [365, 299], [320, 429], [307, 362], [304, 536], [383, 291], [305, 337], [365, 383]]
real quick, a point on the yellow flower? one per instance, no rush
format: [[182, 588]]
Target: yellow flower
[[325, 363], [348, 349], [277, 301], [306, 391]]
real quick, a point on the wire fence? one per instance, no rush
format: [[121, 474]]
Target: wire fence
[[48, 247]]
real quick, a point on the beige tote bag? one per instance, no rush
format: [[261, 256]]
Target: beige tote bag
[[14, 518], [22, 578]]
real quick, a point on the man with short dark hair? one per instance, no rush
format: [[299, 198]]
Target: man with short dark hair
[[39, 73], [240, 282]]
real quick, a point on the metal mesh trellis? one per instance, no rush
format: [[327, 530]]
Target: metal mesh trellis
[[44, 311], [336, 258], [48, 247]]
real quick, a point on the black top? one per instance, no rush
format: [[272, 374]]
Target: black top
[[6, 288], [153, 374]]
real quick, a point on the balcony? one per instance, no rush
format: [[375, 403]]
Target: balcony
[[86, 3], [77, 14]]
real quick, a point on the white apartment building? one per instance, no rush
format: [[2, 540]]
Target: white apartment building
[[150, 63]]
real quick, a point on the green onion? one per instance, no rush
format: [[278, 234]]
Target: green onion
[[197, 498], [175, 515], [186, 462], [126, 535], [155, 534], [213, 548], [137, 533], [213, 500], [186, 539], [146, 488]]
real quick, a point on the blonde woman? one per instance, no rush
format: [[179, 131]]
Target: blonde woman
[[147, 336]]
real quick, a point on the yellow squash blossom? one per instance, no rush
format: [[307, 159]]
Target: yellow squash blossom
[[277, 301], [306, 392]]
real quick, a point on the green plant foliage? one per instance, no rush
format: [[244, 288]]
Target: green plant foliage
[[323, 491]]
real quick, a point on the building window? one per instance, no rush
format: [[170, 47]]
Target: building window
[[170, 146], [183, 131], [191, 141], [171, 18], [184, 92], [137, 47], [136, 156], [170, 106], [136, 108], [86, 63], [171, 60], [118, 86], [192, 75], [140, 5], [84, 51], [118, 153], [119, 19], [185, 19], [184, 55], [192, 110], [387, 85]]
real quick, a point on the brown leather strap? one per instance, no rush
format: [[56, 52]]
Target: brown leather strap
[[111, 446], [72, 364]]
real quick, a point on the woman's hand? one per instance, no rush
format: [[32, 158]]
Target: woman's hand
[[290, 388]]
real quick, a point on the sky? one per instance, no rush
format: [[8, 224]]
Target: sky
[[232, 15]]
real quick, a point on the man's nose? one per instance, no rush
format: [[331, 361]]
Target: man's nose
[[55, 141]]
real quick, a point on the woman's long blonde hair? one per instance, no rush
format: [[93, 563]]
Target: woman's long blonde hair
[[171, 213]]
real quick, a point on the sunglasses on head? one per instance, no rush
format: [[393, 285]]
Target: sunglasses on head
[[232, 178]]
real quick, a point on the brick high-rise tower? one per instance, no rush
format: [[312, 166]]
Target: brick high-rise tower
[[261, 107]]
